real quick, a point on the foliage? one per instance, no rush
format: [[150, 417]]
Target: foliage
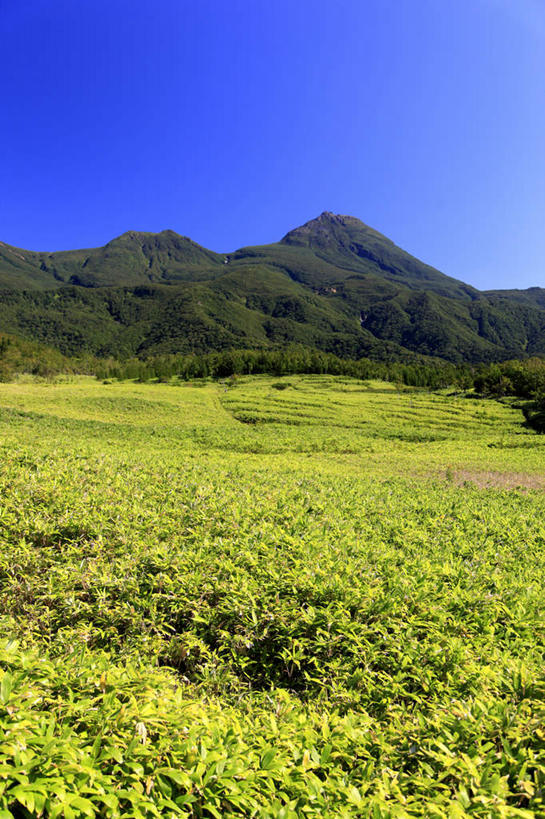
[[525, 379], [417, 372], [229, 599], [333, 284], [18, 356]]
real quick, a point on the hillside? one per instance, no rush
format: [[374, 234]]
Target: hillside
[[131, 259], [333, 283]]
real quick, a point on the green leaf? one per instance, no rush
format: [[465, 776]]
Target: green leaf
[[267, 758], [84, 805], [6, 685]]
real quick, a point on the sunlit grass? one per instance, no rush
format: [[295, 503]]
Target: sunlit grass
[[269, 597]]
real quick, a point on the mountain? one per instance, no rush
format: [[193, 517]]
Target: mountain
[[348, 244], [131, 259], [22, 270], [333, 283]]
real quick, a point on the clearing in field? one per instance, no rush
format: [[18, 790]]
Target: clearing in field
[[269, 597]]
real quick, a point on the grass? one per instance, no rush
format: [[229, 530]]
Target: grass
[[230, 599]]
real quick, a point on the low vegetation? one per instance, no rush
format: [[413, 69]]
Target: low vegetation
[[269, 596]]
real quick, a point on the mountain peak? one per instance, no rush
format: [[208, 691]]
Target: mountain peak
[[337, 219], [330, 230], [350, 244], [144, 235]]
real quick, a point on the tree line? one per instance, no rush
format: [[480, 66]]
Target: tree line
[[523, 379], [289, 361]]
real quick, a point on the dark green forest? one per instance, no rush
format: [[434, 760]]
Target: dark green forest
[[334, 284]]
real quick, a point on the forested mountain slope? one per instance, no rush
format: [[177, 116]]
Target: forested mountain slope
[[333, 283]]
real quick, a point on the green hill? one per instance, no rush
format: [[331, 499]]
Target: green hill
[[23, 270], [131, 259], [333, 283]]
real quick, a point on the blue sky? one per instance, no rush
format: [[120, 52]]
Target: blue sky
[[232, 121]]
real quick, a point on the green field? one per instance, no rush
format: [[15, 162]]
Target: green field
[[269, 597]]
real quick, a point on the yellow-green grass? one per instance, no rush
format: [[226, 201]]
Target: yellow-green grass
[[269, 597], [359, 425]]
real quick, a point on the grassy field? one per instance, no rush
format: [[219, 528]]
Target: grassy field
[[269, 597]]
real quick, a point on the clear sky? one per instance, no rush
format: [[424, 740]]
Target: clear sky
[[232, 121]]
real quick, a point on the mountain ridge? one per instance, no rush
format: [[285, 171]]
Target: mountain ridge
[[333, 282]]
